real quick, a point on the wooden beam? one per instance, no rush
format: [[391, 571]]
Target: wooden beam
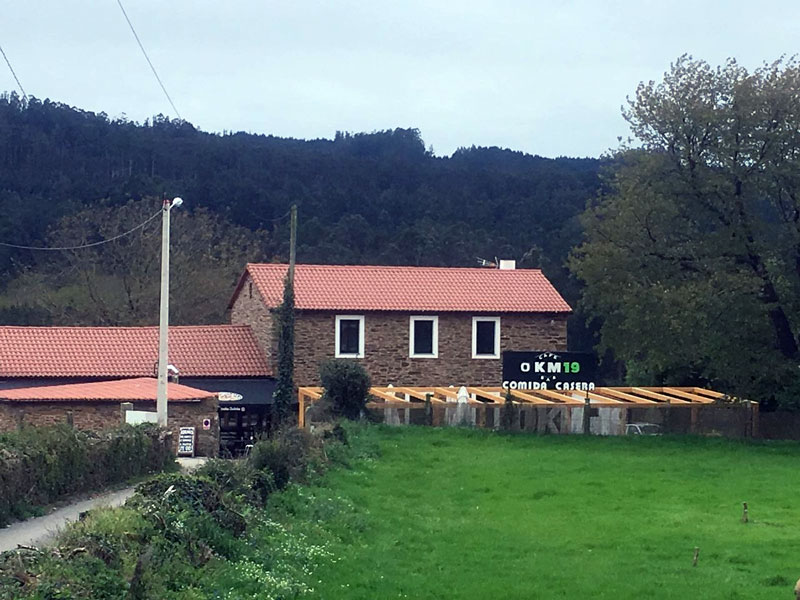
[[564, 399], [595, 396], [656, 396], [392, 391], [529, 398], [386, 396], [313, 393], [446, 392], [687, 396], [495, 398], [705, 392], [625, 396], [420, 394]]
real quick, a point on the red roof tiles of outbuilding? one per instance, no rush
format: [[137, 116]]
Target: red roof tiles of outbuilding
[[197, 351], [121, 390], [409, 289]]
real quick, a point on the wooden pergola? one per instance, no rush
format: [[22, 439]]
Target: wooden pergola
[[603, 397]]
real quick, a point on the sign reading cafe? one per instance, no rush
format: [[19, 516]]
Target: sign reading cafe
[[547, 370]]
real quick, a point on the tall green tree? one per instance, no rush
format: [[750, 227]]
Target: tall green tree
[[284, 389], [692, 252]]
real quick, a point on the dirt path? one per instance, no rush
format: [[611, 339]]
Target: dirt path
[[40, 530]]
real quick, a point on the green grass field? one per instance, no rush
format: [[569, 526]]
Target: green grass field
[[471, 514]]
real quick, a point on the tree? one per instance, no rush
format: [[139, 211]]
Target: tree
[[284, 389], [692, 252], [117, 283]]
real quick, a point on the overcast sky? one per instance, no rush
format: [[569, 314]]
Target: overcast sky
[[545, 77]]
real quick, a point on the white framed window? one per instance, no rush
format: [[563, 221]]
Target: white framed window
[[349, 336], [423, 337], [485, 337]]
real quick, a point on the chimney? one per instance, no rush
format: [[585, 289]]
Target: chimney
[[508, 265]]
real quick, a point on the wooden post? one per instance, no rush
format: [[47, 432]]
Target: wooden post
[[587, 411], [428, 410], [754, 414], [301, 407]]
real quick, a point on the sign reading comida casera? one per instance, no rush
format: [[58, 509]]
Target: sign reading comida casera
[[546, 370]]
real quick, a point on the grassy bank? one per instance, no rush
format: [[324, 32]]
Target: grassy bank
[[234, 530], [382, 512], [470, 514]]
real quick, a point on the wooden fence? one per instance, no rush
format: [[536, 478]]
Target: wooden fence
[[602, 411]]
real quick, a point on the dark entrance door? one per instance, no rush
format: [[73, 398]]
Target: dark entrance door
[[240, 426]]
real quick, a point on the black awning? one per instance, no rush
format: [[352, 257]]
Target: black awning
[[252, 391]]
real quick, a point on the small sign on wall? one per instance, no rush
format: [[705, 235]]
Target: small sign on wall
[[186, 441], [206, 424]]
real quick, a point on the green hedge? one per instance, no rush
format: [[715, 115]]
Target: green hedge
[[39, 465]]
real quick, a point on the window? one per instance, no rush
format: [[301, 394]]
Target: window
[[485, 337], [350, 336], [423, 337]]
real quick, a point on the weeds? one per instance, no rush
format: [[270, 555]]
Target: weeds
[[218, 533]]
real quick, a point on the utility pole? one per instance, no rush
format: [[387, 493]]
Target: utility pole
[[163, 317], [292, 244]]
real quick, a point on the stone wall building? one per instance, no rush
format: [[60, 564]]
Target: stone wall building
[[412, 326], [224, 359], [97, 406]]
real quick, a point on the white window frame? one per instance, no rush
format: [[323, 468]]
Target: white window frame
[[360, 319], [435, 334], [496, 321]]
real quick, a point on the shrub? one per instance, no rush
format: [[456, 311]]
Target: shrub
[[346, 386], [39, 465], [287, 456]]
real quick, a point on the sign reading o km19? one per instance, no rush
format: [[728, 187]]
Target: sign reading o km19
[[547, 370]]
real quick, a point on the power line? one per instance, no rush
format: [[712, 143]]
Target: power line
[[149, 62], [10, 68], [93, 244]]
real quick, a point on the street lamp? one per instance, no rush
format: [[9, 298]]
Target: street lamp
[[163, 317]]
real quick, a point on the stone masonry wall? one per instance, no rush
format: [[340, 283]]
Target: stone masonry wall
[[386, 347], [386, 342], [96, 416], [249, 309]]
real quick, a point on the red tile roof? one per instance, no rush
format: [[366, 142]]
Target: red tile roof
[[121, 390], [197, 351], [409, 289]]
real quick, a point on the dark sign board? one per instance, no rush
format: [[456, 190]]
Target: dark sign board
[[186, 441], [547, 370]]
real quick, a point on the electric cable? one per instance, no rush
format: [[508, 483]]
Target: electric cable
[[149, 62], [93, 244], [10, 68]]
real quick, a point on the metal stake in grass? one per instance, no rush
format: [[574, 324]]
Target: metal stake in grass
[[744, 512], [696, 556]]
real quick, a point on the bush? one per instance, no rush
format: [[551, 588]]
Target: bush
[[287, 456], [40, 465], [346, 386]]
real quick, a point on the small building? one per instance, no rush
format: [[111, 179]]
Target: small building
[[224, 359], [97, 405], [415, 325]]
